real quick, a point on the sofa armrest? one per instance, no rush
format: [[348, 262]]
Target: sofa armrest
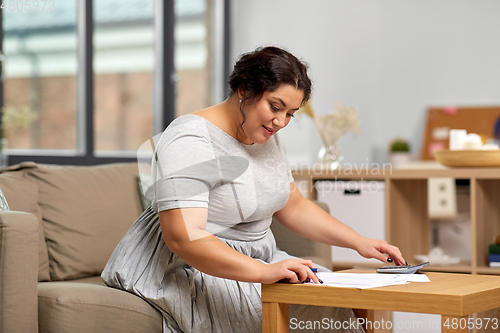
[[298, 246], [18, 272]]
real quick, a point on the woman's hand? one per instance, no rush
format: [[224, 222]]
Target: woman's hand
[[379, 249], [291, 270]]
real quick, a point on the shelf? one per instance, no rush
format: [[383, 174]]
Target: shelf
[[488, 270], [398, 173], [407, 223], [449, 269]]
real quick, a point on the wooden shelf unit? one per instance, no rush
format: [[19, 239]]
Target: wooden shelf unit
[[407, 220]]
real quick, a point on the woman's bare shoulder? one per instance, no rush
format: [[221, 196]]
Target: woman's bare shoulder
[[213, 114]]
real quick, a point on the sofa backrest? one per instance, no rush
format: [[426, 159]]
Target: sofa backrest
[[85, 212], [21, 193]]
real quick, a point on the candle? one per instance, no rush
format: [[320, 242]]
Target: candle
[[457, 139]]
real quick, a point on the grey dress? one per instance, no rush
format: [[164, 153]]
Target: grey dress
[[197, 164]]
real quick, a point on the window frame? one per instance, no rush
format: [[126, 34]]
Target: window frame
[[163, 84]]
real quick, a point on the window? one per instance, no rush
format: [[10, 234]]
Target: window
[[40, 77], [123, 80], [95, 79], [193, 53]]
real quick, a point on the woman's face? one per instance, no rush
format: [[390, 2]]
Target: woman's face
[[271, 113]]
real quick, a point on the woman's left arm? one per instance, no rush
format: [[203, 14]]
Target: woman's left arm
[[307, 219]]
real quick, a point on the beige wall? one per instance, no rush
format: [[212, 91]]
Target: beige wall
[[389, 58]]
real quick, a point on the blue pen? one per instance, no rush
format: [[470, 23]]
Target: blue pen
[[315, 270]]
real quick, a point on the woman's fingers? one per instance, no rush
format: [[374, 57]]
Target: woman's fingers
[[381, 250], [292, 277], [396, 255], [392, 254], [381, 256], [299, 270], [304, 272]]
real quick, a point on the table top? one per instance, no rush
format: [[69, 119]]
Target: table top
[[447, 294], [414, 170]]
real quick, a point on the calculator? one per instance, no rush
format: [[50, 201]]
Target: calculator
[[403, 269]]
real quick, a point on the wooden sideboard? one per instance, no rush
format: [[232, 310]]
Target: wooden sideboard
[[407, 220]]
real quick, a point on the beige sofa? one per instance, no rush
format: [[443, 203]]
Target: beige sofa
[[63, 224]]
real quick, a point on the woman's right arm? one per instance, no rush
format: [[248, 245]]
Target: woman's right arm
[[184, 233]]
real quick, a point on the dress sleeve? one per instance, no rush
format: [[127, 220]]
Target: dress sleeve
[[184, 168]]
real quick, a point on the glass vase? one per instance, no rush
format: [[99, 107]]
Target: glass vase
[[330, 157]]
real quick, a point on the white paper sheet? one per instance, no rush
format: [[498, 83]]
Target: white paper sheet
[[368, 280], [418, 278]]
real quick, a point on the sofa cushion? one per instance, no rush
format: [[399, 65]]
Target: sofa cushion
[[86, 210], [89, 306], [21, 193]]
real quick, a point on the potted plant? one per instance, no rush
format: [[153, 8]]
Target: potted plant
[[13, 118], [399, 152]]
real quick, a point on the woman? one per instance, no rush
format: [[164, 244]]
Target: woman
[[201, 250]]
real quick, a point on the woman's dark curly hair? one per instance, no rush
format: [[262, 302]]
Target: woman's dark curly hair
[[265, 69]]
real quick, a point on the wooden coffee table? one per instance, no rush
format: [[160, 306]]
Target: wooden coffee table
[[453, 296]]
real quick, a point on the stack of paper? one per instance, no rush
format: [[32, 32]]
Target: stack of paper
[[368, 280]]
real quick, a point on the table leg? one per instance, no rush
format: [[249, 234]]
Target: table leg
[[274, 317], [454, 324], [368, 316]]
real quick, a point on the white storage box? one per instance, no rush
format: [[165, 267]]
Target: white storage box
[[360, 205]]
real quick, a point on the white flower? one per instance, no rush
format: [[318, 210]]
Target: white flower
[[331, 127]]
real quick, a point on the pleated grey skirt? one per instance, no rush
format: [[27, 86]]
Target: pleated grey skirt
[[194, 302]]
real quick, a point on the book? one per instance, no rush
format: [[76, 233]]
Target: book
[[494, 257], [494, 248]]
